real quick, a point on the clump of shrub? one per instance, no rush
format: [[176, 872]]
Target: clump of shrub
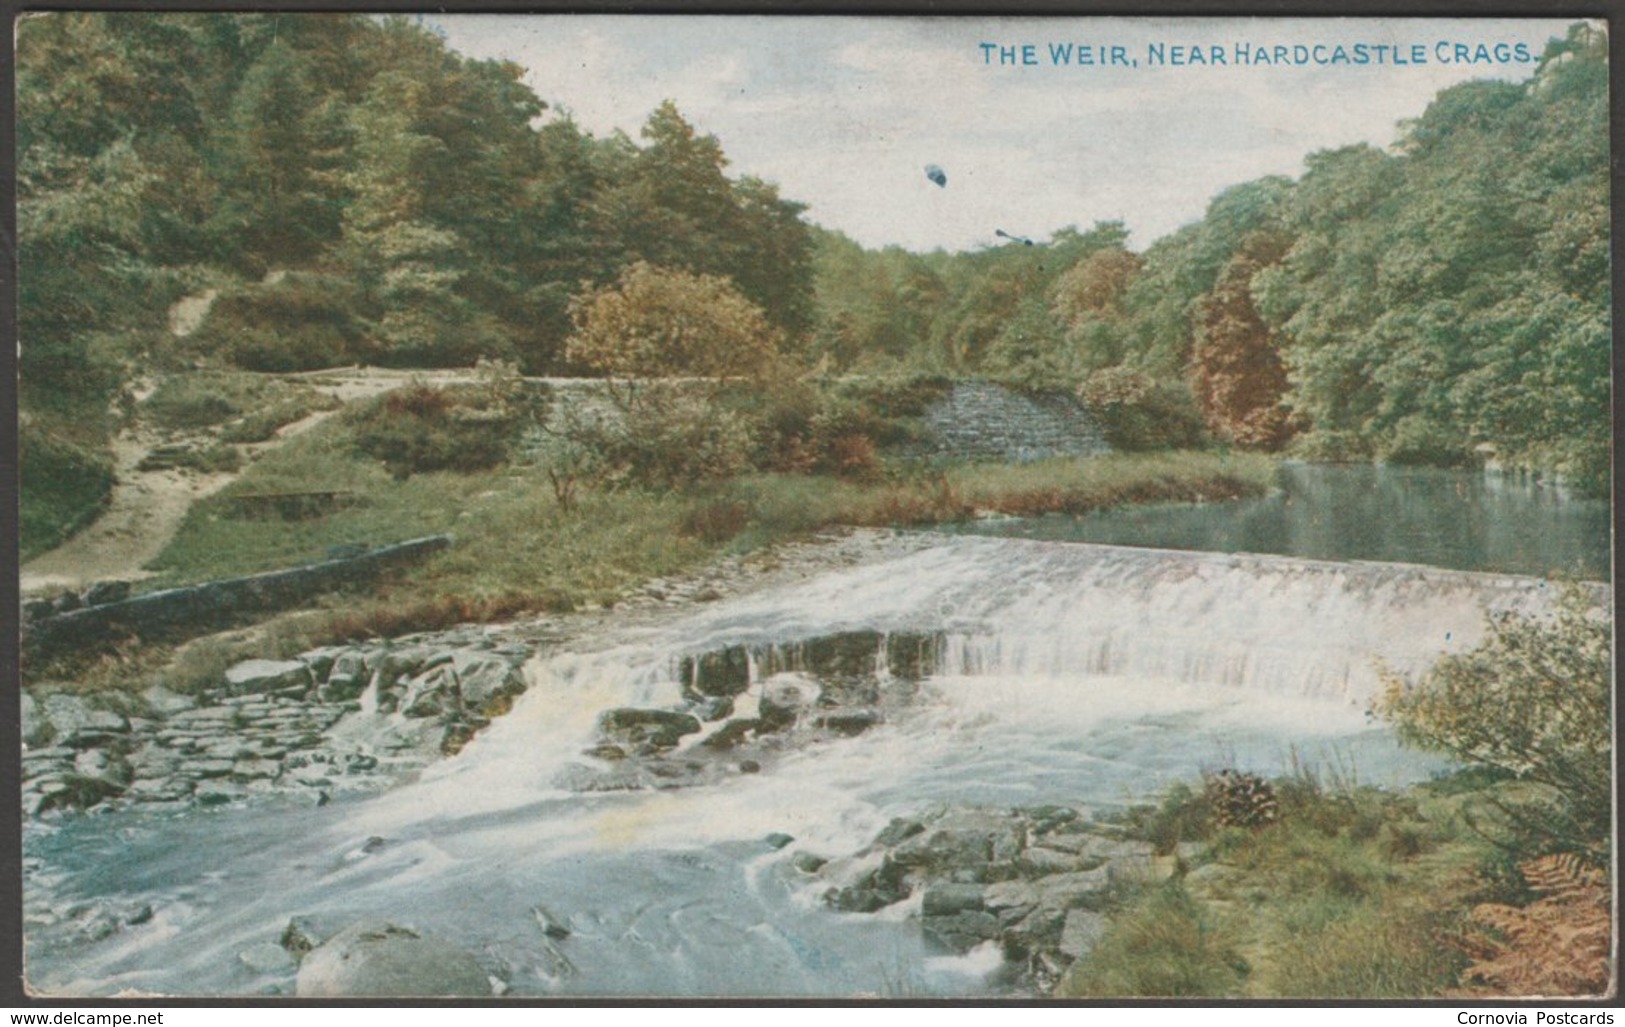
[[1138, 412], [717, 521], [262, 423], [299, 321], [1532, 701], [665, 438], [1237, 799], [249, 408], [1183, 815], [421, 428]]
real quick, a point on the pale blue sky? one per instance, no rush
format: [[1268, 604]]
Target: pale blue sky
[[843, 114]]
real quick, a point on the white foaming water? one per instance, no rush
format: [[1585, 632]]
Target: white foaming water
[[1088, 675]]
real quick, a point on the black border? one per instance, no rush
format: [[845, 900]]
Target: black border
[[12, 994]]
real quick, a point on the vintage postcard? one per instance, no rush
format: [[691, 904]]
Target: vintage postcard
[[741, 507]]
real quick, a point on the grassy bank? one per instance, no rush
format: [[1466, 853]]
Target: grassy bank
[[1352, 892], [514, 538], [518, 549]]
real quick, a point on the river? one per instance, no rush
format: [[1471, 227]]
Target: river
[[1086, 674], [1444, 518]]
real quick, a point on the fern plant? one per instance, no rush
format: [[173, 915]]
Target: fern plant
[[1557, 945]]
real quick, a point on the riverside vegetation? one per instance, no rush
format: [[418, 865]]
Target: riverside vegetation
[[1445, 303]]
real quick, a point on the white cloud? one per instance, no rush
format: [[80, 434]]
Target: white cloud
[[844, 113]]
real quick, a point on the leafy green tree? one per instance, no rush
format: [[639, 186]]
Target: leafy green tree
[[280, 165], [1088, 301], [660, 323]]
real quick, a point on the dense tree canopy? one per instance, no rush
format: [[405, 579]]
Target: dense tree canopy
[[356, 191]]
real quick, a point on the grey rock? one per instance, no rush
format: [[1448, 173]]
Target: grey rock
[[785, 697], [899, 830], [1056, 891], [726, 672], [300, 936], [257, 676], [267, 958], [778, 840], [379, 960], [430, 693], [1081, 932], [158, 789], [164, 703], [36, 727], [961, 932], [948, 899], [808, 863], [849, 722], [77, 723], [97, 763], [551, 925], [320, 661], [487, 683], [1039, 859], [658, 728], [218, 793], [1038, 930]]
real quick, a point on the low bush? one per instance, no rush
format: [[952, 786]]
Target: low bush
[[1137, 412], [1534, 701], [420, 428], [262, 423], [300, 321], [717, 521], [250, 407]]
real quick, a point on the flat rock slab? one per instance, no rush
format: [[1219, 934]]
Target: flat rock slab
[[266, 676]]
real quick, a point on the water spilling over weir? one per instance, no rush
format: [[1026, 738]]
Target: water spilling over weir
[[991, 672]]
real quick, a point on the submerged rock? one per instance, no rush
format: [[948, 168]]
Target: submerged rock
[[660, 728], [380, 959]]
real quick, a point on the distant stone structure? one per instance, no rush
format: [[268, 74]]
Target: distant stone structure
[[984, 421]]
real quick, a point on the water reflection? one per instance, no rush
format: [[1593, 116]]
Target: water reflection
[[1456, 519]]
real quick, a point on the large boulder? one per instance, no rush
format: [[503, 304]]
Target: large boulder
[[380, 959], [724, 672], [78, 724], [346, 678], [430, 694], [785, 697], [488, 683], [661, 729]]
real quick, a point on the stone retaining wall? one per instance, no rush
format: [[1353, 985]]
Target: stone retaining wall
[[213, 603], [984, 421]]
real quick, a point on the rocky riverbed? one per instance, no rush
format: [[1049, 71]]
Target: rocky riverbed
[[1024, 887]]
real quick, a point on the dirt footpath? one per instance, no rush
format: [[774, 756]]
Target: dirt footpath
[[146, 507]]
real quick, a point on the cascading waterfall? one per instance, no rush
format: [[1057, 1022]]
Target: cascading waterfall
[[1086, 674]]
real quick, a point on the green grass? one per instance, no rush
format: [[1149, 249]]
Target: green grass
[[65, 480], [1348, 895], [1166, 945], [517, 550], [202, 399]]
